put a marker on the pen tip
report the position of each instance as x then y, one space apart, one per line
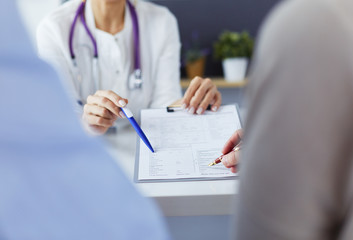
211 164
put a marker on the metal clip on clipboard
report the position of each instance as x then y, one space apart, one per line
176 107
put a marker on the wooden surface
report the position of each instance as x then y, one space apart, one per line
219 82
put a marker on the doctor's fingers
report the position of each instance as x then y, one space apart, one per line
99 129
112 96
190 92
94 120
204 95
103 102
213 96
99 111
216 102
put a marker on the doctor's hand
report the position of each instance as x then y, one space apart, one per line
201 93
102 110
231 158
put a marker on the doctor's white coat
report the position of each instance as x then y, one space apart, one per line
160 60
160 54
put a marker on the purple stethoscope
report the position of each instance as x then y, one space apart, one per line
135 81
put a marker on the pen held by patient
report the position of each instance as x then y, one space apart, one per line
220 158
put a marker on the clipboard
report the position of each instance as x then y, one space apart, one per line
156 174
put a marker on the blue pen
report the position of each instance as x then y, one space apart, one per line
137 128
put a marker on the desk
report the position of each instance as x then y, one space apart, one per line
192 198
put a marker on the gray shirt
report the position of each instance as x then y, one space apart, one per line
296 172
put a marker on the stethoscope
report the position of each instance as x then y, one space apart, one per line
135 80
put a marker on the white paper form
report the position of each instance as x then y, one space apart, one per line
185 144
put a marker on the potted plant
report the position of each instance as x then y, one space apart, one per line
235 50
194 57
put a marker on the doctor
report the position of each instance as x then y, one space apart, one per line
115 52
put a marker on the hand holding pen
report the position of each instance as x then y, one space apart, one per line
102 110
231 151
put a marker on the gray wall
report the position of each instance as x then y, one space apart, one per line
210 17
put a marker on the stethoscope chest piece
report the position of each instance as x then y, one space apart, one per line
135 80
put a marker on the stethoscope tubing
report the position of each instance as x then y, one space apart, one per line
80 13
136 35
137 83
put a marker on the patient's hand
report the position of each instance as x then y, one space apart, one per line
231 158
201 93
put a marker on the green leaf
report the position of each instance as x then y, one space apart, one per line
233 44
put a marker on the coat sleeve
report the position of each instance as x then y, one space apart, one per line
167 83
296 167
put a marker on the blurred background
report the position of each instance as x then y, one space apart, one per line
200 24
210 17
200 19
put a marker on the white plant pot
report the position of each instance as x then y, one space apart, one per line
234 69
